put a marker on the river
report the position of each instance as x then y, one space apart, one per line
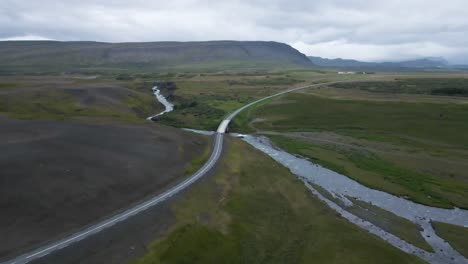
341 187
167 105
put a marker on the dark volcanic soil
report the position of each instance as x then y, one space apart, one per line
56 177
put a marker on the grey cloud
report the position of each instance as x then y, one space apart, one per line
371 30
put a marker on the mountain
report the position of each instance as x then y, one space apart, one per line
420 63
36 55
344 63
319 61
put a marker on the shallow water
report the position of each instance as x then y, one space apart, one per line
168 106
203 132
340 186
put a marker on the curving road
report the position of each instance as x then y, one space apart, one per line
96 228
222 128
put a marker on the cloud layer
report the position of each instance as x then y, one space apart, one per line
358 29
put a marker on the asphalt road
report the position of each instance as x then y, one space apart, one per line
96 228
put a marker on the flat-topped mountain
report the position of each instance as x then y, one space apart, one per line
210 54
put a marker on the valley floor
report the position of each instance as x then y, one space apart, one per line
70 142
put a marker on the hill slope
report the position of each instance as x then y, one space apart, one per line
39 55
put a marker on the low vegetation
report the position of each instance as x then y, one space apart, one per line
434 86
387 221
373 171
99 57
455 235
82 99
203 104
390 222
7 85
417 130
254 211
388 121
198 162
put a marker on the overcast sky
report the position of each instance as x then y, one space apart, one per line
358 29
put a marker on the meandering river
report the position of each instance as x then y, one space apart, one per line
167 105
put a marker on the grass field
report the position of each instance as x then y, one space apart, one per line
455 235
252 210
198 162
201 102
408 147
203 99
434 86
390 121
389 222
378 173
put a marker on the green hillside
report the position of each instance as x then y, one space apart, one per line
54 56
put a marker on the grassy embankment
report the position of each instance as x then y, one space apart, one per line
430 132
253 210
455 235
198 162
57 98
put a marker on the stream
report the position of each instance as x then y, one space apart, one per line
168 106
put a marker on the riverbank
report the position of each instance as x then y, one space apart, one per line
342 187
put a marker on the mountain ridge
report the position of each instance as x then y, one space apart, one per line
167 54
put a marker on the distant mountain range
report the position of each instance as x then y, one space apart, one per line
418 63
219 55
57 56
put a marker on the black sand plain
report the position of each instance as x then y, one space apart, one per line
58 176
